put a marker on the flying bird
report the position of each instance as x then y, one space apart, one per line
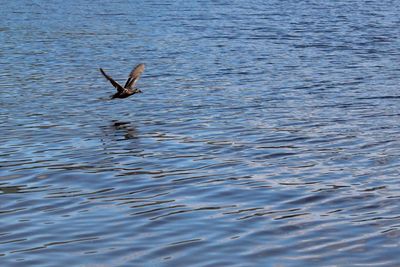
129 88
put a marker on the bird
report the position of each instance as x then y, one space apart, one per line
129 88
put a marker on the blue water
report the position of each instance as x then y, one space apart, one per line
267 134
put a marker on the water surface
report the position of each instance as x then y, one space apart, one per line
267 134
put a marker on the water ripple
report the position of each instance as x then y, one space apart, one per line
267 134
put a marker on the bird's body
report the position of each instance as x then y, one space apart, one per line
129 88
125 93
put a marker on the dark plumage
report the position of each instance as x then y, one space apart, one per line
129 87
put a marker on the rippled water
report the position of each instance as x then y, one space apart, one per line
267 134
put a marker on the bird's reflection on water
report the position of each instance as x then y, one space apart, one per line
115 129
126 129
119 138
11 189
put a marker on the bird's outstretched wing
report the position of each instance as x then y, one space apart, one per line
112 81
134 76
